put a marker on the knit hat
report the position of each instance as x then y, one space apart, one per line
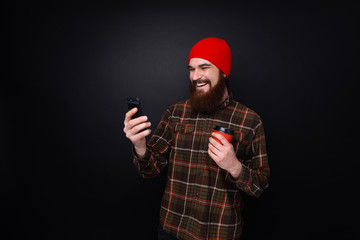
214 50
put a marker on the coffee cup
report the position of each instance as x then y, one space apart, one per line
227 133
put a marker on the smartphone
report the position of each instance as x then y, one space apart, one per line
135 102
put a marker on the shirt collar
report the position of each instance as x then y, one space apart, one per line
227 101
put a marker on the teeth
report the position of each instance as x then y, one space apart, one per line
201 84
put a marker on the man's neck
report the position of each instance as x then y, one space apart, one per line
225 96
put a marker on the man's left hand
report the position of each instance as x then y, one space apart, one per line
224 155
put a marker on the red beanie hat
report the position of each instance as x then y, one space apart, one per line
216 51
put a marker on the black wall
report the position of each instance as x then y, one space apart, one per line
66 166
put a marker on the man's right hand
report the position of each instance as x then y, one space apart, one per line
133 128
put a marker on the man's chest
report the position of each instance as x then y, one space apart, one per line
191 132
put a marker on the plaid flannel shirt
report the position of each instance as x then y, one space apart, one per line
201 200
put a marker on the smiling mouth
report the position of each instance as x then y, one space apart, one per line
200 85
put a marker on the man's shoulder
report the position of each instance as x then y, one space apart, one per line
176 107
179 104
241 109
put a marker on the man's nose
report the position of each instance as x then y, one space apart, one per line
197 75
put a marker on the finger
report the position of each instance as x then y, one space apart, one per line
139 127
214 150
136 121
213 156
130 114
221 138
215 143
140 135
212 143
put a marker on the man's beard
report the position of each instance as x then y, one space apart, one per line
210 101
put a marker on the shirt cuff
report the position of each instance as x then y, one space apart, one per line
243 180
144 159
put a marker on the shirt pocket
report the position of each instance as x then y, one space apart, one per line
184 135
184 128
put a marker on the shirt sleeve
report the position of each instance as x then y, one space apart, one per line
254 176
157 149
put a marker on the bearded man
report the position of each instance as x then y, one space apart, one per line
206 179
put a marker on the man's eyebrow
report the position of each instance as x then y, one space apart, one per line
201 65
205 65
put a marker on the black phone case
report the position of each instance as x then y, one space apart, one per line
135 102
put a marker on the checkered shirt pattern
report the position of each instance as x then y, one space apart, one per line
201 200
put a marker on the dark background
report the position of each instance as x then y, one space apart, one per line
66 166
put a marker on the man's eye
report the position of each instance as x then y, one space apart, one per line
191 69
